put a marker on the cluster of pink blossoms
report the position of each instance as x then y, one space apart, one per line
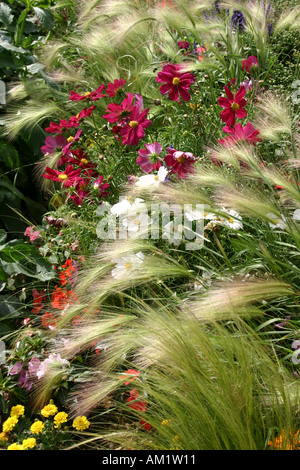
180 163
234 108
79 173
130 119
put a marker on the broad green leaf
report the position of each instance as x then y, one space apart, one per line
6 16
45 18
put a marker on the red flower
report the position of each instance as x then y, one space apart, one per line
48 320
249 63
66 177
119 112
240 134
80 159
86 112
233 106
93 96
180 162
113 88
131 372
145 425
61 298
134 130
137 405
65 275
38 298
101 187
175 82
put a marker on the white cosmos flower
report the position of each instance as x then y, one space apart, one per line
196 214
127 264
277 222
125 206
152 180
296 215
234 221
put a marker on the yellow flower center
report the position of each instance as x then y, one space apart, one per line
276 221
87 93
181 158
69 139
128 265
176 81
84 161
235 106
230 220
133 124
63 177
156 177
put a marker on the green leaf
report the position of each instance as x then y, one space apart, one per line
5 14
9 155
10 307
9 47
3 235
45 18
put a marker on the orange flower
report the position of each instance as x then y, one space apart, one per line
284 443
61 298
48 320
130 372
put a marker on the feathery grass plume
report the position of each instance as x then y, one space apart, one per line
213 385
28 116
234 299
273 117
289 19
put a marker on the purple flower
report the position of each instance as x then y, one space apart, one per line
16 368
52 144
33 365
238 21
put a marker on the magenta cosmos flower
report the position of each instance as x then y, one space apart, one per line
113 88
240 134
233 106
134 131
67 177
249 63
175 82
52 144
180 162
116 112
149 158
93 95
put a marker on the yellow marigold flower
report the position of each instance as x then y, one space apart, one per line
166 422
15 446
60 418
80 423
49 410
17 411
29 443
3 437
37 427
9 424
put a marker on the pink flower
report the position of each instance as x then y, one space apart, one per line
134 130
149 159
81 191
66 177
233 106
66 149
249 63
32 234
115 87
52 144
180 162
183 44
93 96
175 82
101 187
116 112
240 134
